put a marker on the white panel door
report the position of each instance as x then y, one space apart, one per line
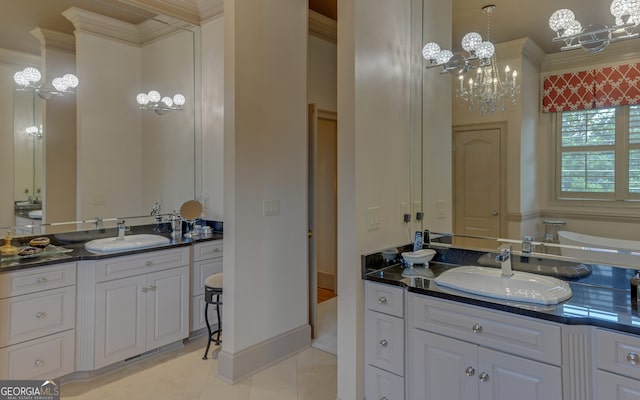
121 315
167 306
506 377
441 368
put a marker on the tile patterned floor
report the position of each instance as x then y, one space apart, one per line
182 374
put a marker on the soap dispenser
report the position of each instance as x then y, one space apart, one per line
7 249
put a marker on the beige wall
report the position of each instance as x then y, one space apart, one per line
322 67
374 147
265 264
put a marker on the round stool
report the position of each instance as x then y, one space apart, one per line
212 293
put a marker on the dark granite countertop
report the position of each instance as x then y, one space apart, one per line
600 298
69 246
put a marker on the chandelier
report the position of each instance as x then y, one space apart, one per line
28 80
596 37
153 101
489 89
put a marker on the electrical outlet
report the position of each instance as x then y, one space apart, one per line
406 218
441 209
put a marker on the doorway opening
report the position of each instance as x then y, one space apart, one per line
323 234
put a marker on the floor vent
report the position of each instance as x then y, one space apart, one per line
139 356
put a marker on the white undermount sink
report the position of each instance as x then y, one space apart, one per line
521 286
130 242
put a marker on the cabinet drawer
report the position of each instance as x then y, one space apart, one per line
45 358
383 298
384 344
517 335
37 279
201 271
615 387
122 267
205 250
37 314
381 384
618 353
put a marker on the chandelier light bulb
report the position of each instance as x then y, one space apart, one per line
142 99
444 56
485 50
471 41
71 80
430 51
560 20
179 99
20 79
573 28
59 84
32 74
153 96
167 101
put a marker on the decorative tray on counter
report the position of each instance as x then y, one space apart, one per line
48 251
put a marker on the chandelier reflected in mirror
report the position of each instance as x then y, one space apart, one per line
489 90
596 37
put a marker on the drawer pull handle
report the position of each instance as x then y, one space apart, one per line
216 250
148 263
41 314
484 377
384 343
382 300
477 328
633 358
470 371
41 280
152 287
39 363
145 290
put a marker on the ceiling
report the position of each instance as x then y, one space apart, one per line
515 19
512 19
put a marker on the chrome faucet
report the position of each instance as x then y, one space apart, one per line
122 228
157 218
98 222
504 258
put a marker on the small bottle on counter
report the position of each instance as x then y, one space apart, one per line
635 287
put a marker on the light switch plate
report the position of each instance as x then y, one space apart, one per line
270 207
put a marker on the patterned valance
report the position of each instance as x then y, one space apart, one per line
595 88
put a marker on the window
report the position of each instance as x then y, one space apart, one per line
599 155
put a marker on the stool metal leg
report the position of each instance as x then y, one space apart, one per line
219 330
206 319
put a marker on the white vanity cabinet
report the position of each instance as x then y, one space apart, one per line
457 351
131 304
37 306
384 341
206 261
618 365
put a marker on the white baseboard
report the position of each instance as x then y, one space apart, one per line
235 367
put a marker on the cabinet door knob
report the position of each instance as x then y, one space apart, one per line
383 398
382 300
470 371
39 363
484 377
41 280
148 263
41 314
633 358
152 287
477 328
145 290
384 343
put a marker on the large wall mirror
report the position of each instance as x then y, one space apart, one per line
93 153
527 198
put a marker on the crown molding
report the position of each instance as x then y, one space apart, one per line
210 9
184 10
617 53
55 39
87 21
323 27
